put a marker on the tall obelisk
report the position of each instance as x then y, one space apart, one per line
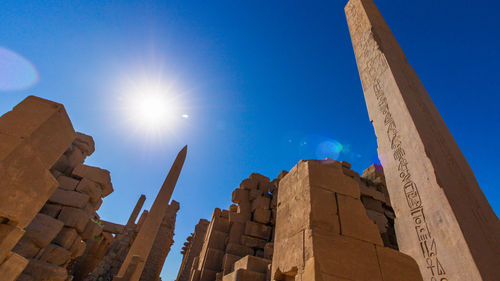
444 221
133 265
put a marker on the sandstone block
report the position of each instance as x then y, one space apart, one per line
54 254
228 262
75 157
69 198
46 271
77 248
268 250
52 210
253 242
25 277
346 257
331 177
67 183
12 267
74 217
262 202
249 184
66 237
92 229
85 143
44 124
218 240
354 222
43 229
397 266
213 259
257 230
252 263
26 248
90 188
240 195
324 215
244 275
9 236
112 227
22 170
95 174
236 231
262 215
238 250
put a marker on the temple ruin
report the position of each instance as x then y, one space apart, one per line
421 215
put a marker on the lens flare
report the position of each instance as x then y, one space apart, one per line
329 148
16 72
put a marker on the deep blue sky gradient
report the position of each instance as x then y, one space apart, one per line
265 84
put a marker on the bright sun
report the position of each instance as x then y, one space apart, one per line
153 107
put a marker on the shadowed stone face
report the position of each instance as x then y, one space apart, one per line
433 190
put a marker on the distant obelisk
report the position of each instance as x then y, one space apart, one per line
443 220
133 265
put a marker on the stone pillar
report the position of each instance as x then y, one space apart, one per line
192 249
32 137
137 209
323 232
443 219
145 238
161 246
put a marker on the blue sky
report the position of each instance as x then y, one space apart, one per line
264 84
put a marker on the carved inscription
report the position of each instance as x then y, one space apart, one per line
372 65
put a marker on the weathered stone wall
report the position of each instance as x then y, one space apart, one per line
58 234
192 249
32 137
239 242
323 231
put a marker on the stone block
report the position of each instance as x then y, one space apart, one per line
252 263
95 174
268 250
218 240
257 230
85 143
323 205
372 204
262 202
228 262
354 222
25 277
46 271
244 275
44 124
12 267
92 229
237 229
240 195
331 177
74 217
26 248
346 257
396 266
66 237
112 227
91 188
30 182
238 250
67 183
54 254
69 198
249 184
253 242
52 210
379 219
262 215
9 236
43 229
77 248
213 259
75 157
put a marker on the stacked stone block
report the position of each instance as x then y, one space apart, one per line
32 137
58 235
192 249
323 231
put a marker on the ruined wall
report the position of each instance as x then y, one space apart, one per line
59 233
192 249
239 242
32 137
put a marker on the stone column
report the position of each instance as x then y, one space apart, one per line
137 209
161 246
443 219
32 137
145 238
192 249
324 233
